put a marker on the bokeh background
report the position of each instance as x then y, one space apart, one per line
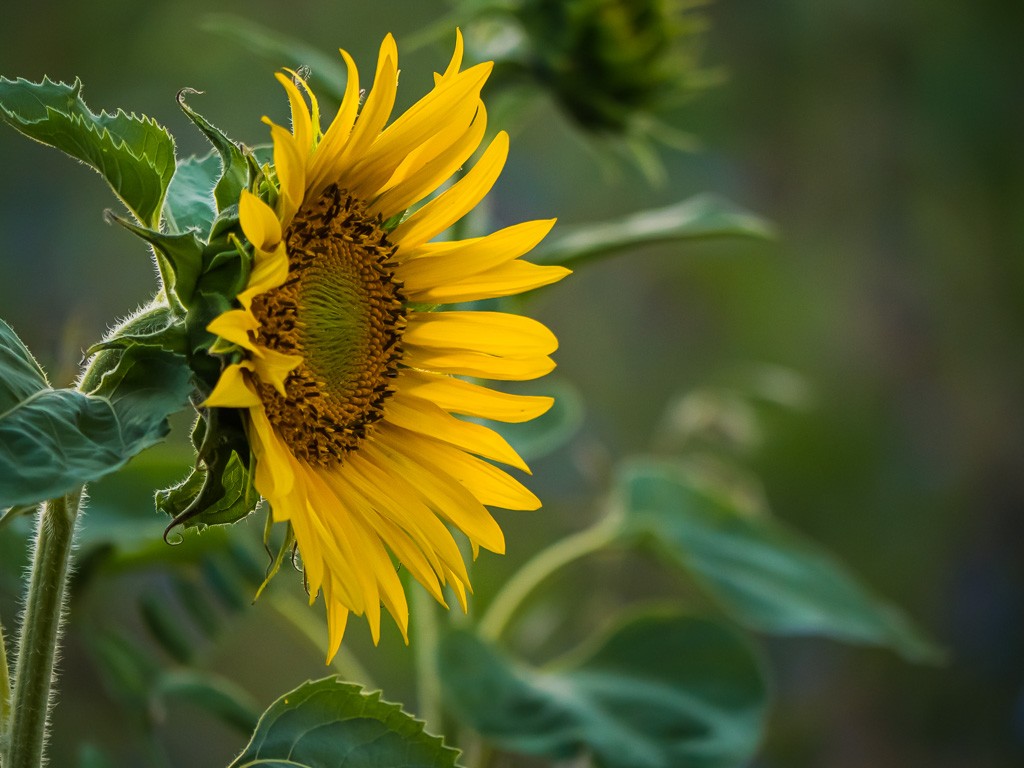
885 142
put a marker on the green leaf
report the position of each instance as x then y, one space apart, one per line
696 218
328 723
766 576
190 204
55 440
661 691
235 174
20 374
219 490
159 327
133 154
221 496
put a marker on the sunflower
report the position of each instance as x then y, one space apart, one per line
348 374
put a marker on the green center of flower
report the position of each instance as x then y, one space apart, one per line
342 311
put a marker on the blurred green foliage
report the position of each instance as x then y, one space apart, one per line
883 140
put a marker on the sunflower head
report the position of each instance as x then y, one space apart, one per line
342 357
609 62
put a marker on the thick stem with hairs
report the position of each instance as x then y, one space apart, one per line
40 631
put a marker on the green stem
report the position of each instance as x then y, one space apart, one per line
5 694
428 678
546 562
40 630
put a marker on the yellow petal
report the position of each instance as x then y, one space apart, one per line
398 540
273 367
337 618
302 125
338 542
337 133
477 364
314 106
259 222
490 485
270 270
460 592
456 62
424 170
372 117
275 475
359 563
374 561
235 325
450 206
374 166
506 280
427 419
460 396
493 333
308 541
290 164
395 499
435 263
446 496
233 390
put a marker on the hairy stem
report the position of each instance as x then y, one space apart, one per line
40 631
5 694
545 563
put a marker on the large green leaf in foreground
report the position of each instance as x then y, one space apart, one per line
662 691
133 154
766 576
331 724
54 440
20 374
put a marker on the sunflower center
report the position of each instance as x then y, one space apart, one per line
341 310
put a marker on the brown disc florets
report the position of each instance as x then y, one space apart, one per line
342 311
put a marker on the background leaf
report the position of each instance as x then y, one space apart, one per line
329 723
763 574
661 691
133 154
214 694
696 218
326 73
91 757
58 439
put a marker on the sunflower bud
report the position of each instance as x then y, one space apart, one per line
611 62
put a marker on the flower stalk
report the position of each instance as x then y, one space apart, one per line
543 565
40 631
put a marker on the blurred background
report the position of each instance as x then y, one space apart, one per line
883 139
